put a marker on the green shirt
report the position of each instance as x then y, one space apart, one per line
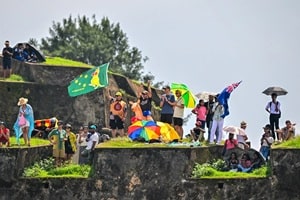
59 138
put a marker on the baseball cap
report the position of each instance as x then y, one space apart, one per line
166 87
118 94
60 122
93 127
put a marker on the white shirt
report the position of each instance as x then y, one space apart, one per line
218 110
179 112
270 140
93 138
240 139
271 106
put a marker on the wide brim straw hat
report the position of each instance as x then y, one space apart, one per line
22 101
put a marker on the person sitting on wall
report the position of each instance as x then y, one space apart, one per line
287 132
29 55
245 163
4 135
232 162
230 143
256 161
197 132
19 53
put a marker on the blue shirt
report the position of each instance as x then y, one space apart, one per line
167 108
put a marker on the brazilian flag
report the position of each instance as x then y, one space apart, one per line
89 81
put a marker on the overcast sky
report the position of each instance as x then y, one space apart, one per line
205 44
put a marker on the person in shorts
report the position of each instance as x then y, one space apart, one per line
118 112
7 53
178 113
166 104
57 138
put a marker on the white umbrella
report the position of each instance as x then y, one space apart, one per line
234 130
204 95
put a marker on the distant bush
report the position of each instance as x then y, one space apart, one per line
46 168
39 168
201 170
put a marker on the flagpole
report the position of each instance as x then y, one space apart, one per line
106 113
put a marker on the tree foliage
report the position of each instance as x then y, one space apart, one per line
95 43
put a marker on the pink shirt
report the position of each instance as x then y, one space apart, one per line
201 112
231 144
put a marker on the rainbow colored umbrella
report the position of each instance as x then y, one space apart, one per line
187 95
148 130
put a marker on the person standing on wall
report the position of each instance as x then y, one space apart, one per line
217 124
178 113
145 101
273 108
167 110
24 124
92 142
7 53
210 114
118 113
57 138
70 143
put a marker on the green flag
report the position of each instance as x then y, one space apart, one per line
89 81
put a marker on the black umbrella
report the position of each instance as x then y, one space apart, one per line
277 90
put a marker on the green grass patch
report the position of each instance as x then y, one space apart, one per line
293 143
214 170
57 61
258 173
46 169
33 142
125 142
15 78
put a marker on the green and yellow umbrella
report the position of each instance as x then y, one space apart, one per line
187 95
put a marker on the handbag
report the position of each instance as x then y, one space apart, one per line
22 120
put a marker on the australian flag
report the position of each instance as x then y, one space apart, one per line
224 96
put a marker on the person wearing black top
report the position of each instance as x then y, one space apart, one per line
145 101
210 114
7 53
